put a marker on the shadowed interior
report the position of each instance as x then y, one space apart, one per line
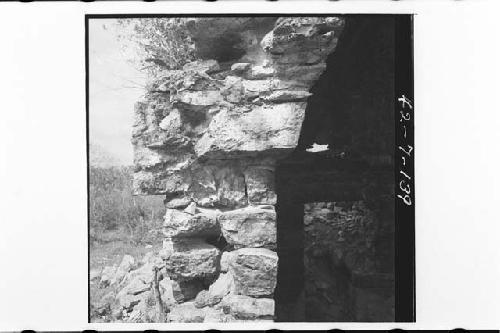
350 278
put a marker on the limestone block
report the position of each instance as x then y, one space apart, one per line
260 186
191 259
145 311
186 313
218 184
281 96
254 271
126 265
233 90
302 40
172 123
178 224
240 66
191 208
189 313
178 202
206 66
135 287
199 98
248 308
220 288
249 227
132 293
217 316
203 299
272 129
260 72
225 259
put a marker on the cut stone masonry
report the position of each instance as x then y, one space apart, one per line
208 137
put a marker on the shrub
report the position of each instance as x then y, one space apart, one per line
162 43
114 208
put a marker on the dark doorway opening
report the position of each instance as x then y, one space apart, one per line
335 208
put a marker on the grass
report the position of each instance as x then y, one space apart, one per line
111 253
120 224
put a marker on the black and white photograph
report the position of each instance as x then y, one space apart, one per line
243 168
249 165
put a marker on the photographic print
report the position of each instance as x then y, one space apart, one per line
250 168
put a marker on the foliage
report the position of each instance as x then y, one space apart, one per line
162 43
114 210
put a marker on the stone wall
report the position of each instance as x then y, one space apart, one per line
208 137
344 258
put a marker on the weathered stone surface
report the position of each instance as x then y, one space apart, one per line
218 185
260 72
191 259
127 301
135 287
249 227
179 291
287 96
199 98
203 299
144 273
206 66
189 313
218 317
302 41
186 313
180 224
255 271
168 292
107 276
260 185
172 122
178 203
249 308
145 311
240 66
225 259
274 128
126 265
220 288
204 113
191 209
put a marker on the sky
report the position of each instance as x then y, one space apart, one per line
114 87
